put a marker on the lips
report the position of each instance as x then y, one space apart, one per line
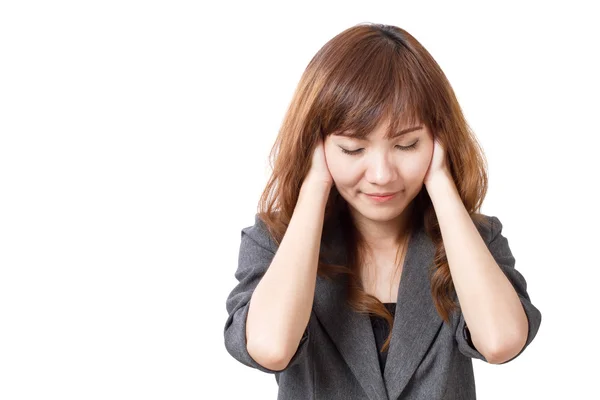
381 194
381 199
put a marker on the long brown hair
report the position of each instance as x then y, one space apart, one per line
367 74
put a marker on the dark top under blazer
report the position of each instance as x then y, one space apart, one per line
381 330
337 356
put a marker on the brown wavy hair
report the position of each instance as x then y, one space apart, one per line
365 75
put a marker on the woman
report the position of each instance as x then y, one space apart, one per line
369 272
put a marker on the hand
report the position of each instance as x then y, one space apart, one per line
319 171
438 166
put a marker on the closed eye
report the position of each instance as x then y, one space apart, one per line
358 151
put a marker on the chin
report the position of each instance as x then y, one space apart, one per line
381 215
378 213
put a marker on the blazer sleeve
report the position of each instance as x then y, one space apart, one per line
499 248
257 250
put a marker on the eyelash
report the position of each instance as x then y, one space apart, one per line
403 148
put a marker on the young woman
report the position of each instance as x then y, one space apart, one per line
369 272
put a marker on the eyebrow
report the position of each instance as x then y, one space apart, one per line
389 136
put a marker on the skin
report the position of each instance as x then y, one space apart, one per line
382 166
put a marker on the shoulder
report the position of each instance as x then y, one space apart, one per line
489 226
259 233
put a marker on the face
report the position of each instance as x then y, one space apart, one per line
379 165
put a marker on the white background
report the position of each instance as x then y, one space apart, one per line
134 143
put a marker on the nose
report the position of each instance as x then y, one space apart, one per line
381 170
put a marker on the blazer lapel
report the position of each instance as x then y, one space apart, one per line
352 334
416 321
350 331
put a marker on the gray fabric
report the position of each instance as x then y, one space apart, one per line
337 356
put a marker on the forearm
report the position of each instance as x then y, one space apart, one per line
490 305
281 304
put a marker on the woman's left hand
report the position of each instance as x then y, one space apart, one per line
438 166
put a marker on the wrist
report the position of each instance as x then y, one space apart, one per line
315 188
440 187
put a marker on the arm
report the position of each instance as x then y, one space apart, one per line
281 304
492 308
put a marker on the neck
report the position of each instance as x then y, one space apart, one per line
383 235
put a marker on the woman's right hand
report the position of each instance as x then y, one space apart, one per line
319 171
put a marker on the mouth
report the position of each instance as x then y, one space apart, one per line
380 194
381 197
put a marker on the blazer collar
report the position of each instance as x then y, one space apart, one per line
416 321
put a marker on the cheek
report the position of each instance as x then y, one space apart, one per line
416 168
419 164
342 170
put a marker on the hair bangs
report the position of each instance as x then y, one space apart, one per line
379 88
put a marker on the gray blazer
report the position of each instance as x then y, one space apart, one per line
337 355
